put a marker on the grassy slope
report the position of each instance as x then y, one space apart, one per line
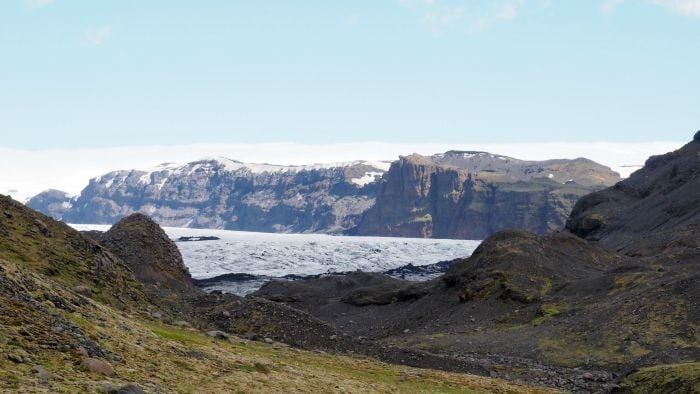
672 378
43 322
167 358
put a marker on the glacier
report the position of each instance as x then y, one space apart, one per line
274 255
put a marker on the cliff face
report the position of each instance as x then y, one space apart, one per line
222 193
467 195
472 195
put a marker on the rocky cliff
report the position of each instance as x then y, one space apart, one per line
471 195
223 193
452 195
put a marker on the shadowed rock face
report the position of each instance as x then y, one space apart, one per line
471 195
152 256
662 196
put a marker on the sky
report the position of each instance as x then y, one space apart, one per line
77 75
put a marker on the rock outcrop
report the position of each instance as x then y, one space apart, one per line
662 196
226 194
471 195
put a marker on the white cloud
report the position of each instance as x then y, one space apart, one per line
438 19
97 35
38 3
29 172
471 16
685 7
689 8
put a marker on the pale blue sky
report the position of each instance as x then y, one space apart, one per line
104 73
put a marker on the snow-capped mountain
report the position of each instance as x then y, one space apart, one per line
223 193
456 194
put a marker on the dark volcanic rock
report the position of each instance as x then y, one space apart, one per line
471 195
152 256
664 195
525 267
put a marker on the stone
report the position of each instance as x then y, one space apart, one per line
226 314
83 290
82 351
15 358
217 334
182 324
42 373
269 340
97 366
251 336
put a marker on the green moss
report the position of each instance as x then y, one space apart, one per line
672 378
178 335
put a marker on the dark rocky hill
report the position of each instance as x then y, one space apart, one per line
629 301
472 195
662 196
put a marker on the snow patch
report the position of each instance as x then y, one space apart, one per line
368 178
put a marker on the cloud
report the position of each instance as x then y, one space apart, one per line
38 3
28 172
351 20
97 35
690 8
440 16
685 7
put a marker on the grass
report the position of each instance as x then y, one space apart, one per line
678 378
165 358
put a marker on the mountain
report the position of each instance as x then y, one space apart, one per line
616 295
223 193
55 203
452 195
471 195
117 313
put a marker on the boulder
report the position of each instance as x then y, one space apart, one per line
97 366
217 334
83 290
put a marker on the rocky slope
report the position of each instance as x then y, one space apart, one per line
662 196
223 193
628 302
74 318
471 195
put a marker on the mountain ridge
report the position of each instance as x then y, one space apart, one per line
326 198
